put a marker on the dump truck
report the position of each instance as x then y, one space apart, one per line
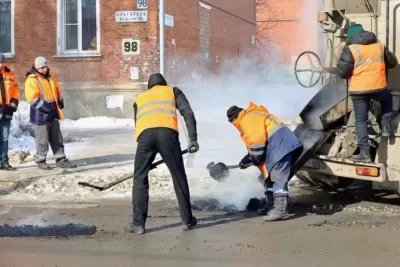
326 125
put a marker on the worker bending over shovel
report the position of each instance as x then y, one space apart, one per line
272 147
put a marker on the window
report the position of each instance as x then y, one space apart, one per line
78 27
7 27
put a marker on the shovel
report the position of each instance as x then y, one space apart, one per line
102 188
220 170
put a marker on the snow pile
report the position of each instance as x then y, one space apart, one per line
237 190
99 122
20 137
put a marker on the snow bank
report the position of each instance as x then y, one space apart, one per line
20 138
241 186
96 123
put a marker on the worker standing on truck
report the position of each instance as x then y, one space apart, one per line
43 93
272 147
157 132
364 62
9 100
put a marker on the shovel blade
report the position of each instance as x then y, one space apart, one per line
218 171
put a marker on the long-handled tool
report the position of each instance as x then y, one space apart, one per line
101 188
220 170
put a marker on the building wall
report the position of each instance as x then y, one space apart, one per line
287 28
211 33
204 36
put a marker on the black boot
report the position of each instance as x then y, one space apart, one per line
269 203
362 157
280 209
130 228
5 166
189 226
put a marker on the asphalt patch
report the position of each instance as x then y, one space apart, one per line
70 229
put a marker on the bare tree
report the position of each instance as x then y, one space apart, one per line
266 19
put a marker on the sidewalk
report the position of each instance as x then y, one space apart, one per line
94 151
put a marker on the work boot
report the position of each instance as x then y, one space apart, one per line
43 166
7 167
280 209
387 130
362 157
269 204
65 164
188 227
130 228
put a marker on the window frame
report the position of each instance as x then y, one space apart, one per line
11 54
61 52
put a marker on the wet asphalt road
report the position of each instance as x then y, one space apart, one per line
325 230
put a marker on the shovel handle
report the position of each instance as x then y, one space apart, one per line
233 166
101 188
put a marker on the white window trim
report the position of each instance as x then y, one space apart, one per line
12 53
60 34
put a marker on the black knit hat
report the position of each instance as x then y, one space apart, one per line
233 112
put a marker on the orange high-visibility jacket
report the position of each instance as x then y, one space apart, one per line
369 67
38 87
11 87
256 126
156 108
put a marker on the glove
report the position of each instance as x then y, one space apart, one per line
193 147
246 162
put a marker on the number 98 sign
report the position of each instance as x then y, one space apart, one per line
142 4
130 47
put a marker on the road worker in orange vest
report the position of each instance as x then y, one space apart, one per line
364 62
273 148
9 100
43 93
155 113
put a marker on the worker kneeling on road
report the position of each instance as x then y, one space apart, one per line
272 147
157 132
44 95
365 61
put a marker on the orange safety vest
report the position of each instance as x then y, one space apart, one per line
369 71
256 126
37 86
156 108
11 87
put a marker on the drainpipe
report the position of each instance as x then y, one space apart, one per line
387 22
161 18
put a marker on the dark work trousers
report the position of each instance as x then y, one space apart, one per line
361 105
166 142
49 133
4 135
280 174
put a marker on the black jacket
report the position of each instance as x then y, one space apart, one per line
182 104
346 62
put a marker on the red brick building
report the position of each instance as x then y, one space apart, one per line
83 41
287 28
98 47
